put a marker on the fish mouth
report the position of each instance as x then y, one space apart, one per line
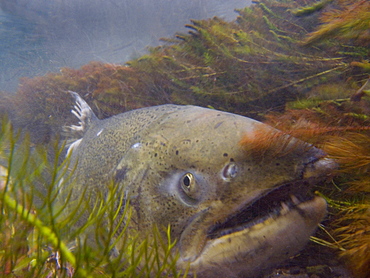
272 204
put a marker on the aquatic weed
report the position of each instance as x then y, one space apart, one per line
47 233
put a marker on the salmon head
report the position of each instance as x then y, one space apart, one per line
234 191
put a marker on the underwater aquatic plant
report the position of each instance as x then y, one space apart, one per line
252 65
341 127
345 20
37 238
353 233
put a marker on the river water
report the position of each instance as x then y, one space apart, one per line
38 36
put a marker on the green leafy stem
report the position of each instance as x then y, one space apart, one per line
45 231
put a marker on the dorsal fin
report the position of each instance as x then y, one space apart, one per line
86 117
83 112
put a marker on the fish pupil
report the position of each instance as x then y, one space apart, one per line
186 180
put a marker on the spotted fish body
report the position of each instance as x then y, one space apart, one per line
235 207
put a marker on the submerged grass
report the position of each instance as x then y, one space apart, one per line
45 233
339 125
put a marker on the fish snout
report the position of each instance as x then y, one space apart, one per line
320 167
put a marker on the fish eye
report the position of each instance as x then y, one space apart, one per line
189 189
187 181
230 171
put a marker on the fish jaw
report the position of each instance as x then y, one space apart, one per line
268 228
264 231
253 250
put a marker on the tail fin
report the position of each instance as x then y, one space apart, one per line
86 117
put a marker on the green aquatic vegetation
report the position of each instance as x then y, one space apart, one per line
307 10
340 125
47 233
322 94
243 67
266 9
304 103
349 21
365 65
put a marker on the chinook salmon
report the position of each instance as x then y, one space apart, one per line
234 191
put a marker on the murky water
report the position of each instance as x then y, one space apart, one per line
38 36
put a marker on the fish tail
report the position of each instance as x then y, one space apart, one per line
85 115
